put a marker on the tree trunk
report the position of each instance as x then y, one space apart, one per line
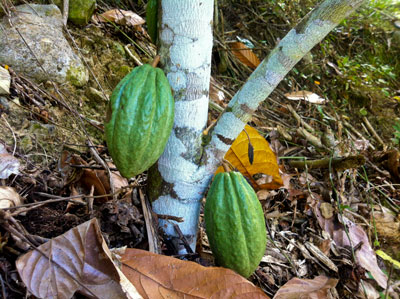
179 181
176 186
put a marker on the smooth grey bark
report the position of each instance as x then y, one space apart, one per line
183 173
176 186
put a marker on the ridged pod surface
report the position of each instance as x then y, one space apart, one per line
235 223
139 119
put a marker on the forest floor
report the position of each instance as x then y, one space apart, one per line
333 124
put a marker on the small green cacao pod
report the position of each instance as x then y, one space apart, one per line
235 223
139 119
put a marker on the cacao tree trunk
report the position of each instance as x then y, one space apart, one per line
179 180
176 185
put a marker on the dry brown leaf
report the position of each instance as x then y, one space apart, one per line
74 201
78 260
157 276
86 178
367 290
118 180
91 178
9 197
264 194
245 55
316 288
264 171
393 164
121 17
361 145
306 96
335 67
325 246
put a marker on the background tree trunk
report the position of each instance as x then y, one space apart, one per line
179 181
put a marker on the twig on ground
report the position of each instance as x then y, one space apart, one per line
301 122
373 132
3 287
135 59
357 133
314 140
170 217
99 160
55 199
96 167
339 163
151 230
182 238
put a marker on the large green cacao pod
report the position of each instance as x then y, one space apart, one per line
235 223
139 120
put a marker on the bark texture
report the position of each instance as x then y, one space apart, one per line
185 50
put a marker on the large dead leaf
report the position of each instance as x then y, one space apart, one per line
157 276
122 17
366 257
264 171
77 261
316 288
245 55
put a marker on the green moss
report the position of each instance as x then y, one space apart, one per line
117 47
154 183
205 140
26 144
396 38
123 70
77 75
80 11
52 12
118 71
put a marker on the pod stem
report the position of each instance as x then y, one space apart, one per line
228 167
155 61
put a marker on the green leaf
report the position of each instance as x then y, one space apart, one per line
363 111
344 207
152 19
386 257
